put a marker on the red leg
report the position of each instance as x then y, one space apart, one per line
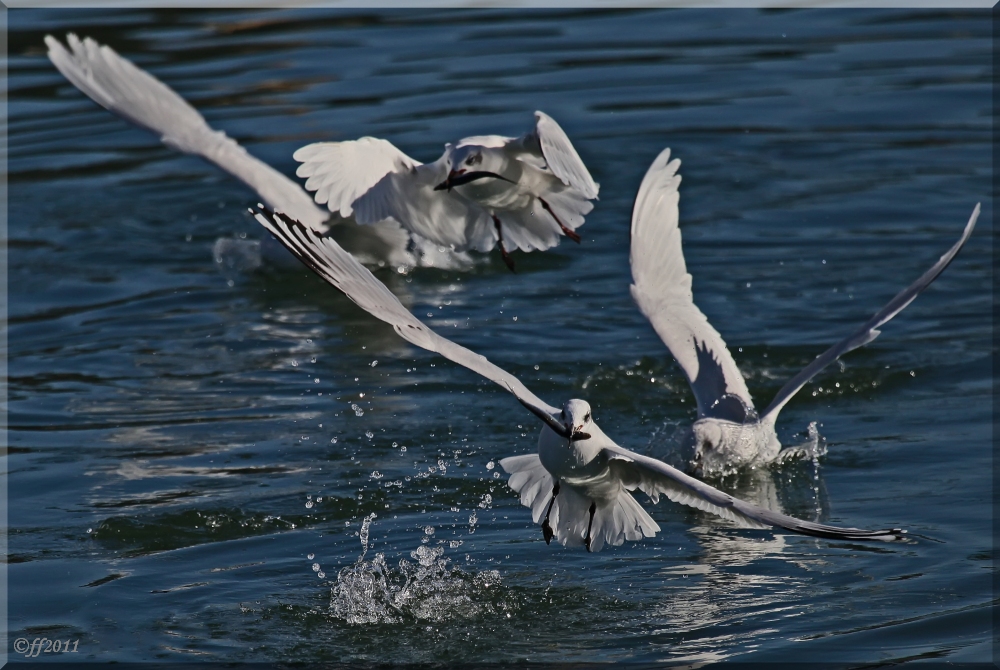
571 234
508 261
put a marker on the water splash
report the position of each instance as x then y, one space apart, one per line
431 589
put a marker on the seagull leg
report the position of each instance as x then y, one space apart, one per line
571 234
508 261
586 538
546 528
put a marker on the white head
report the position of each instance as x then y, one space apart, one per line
578 420
475 158
470 163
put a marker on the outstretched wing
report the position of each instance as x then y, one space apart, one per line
327 259
869 331
655 477
562 158
140 98
341 172
662 290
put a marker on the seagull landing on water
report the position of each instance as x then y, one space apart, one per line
521 193
578 484
729 434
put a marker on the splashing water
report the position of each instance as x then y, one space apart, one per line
372 592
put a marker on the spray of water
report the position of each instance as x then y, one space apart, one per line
427 589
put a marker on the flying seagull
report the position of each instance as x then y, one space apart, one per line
578 484
521 193
728 434
130 92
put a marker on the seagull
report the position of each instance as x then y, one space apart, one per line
518 193
579 483
729 434
130 92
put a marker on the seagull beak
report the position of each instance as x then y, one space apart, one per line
577 434
446 184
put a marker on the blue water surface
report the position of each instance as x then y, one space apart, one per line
194 450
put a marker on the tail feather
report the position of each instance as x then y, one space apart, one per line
615 520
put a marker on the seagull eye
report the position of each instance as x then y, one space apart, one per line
475 159
586 417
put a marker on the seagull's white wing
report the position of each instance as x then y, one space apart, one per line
655 477
662 290
869 331
562 158
140 98
341 172
441 216
327 259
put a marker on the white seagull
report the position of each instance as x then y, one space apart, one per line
728 434
130 92
578 484
523 193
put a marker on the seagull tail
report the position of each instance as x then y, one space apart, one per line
615 521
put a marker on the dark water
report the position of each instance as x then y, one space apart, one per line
173 426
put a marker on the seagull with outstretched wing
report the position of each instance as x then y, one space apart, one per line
521 193
578 484
729 433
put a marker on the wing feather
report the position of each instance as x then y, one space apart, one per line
327 259
119 86
655 477
562 158
341 172
869 331
662 290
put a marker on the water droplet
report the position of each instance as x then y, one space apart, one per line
316 380
376 474
913 373
515 318
333 440
490 465
429 530
315 567
361 395
309 504
374 363
310 556
322 574
404 449
295 363
369 434
319 499
394 445
496 475
536 367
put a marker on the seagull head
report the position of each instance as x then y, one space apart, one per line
578 420
470 163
